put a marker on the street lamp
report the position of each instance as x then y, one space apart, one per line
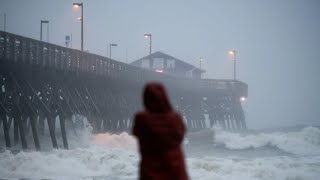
110 45
77 5
200 61
233 54
4 21
44 22
150 41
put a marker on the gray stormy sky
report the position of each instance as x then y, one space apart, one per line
277 43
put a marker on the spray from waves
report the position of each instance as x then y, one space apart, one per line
101 156
109 156
303 142
121 141
70 164
79 135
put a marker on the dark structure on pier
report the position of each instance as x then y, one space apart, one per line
164 63
41 83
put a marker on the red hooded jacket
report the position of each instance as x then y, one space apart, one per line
160 132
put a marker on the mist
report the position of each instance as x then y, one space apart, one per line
277 43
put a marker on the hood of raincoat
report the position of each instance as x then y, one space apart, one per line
155 98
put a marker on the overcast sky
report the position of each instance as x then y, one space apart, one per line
277 43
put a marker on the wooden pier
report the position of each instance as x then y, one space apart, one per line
42 82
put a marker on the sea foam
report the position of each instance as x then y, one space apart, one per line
115 156
303 142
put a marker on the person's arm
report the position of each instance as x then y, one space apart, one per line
136 128
180 127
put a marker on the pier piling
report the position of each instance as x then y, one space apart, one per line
6 130
52 126
32 120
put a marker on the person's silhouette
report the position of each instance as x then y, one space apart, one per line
160 132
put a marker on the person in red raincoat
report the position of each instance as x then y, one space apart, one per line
160 131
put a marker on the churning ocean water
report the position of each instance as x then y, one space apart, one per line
285 155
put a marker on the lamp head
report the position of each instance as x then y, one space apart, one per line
232 52
77 5
147 35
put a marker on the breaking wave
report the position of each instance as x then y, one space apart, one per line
114 156
303 142
107 157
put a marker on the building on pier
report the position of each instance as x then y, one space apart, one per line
164 63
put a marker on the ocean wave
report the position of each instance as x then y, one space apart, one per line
282 167
303 142
99 162
121 141
77 163
115 156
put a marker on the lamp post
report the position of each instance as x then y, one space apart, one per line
150 42
77 5
200 62
233 54
4 22
110 45
44 22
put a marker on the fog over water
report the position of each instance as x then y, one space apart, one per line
277 43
